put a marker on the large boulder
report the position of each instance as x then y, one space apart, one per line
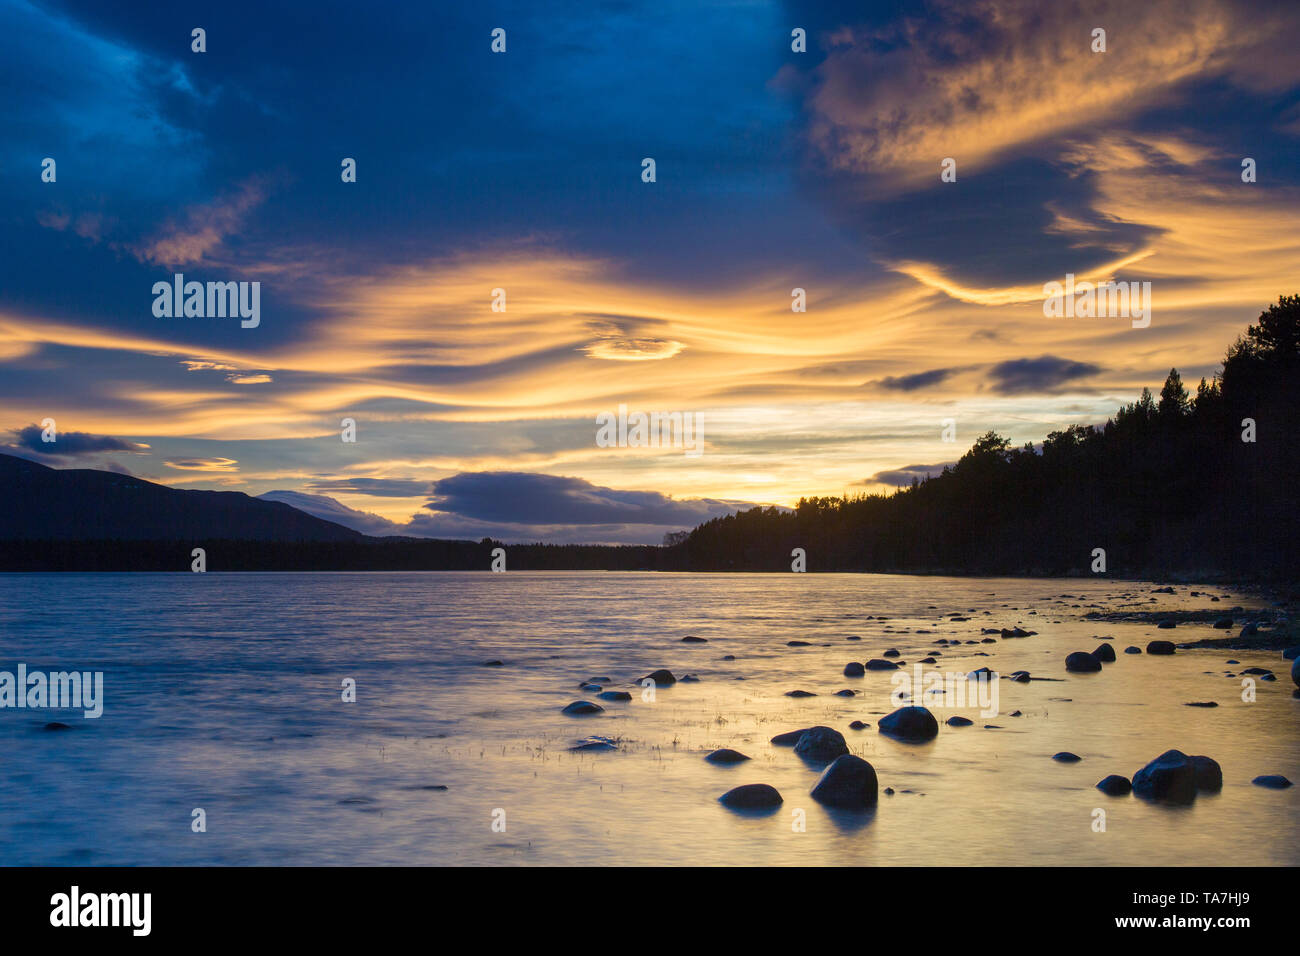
849 782
876 664
1295 671
752 796
1104 653
910 723
661 678
821 743
1209 775
1170 777
1160 647
854 669
1081 662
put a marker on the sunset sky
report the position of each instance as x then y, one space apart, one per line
523 171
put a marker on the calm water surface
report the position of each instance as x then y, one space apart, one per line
223 691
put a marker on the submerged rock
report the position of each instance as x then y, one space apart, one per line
1170 777
661 678
580 707
1274 781
955 721
821 743
493 664
752 796
725 755
1066 757
858 725
910 723
788 739
615 695
1115 785
1081 662
692 639
799 693
1132 650
1160 647
876 664
849 782
597 744
846 693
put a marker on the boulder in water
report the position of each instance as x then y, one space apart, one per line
1170 777
849 782
1104 653
1274 781
1081 662
1066 757
752 796
910 723
1160 647
821 743
661 678
581 707
956 721
876 664
1115 785
726 756
854 669
615 695
1132 650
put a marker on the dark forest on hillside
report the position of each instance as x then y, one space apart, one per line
1171 484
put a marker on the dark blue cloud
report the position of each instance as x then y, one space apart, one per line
524 498
1047 373
910 383
71 444
905 475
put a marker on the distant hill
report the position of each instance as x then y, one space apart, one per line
51 504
